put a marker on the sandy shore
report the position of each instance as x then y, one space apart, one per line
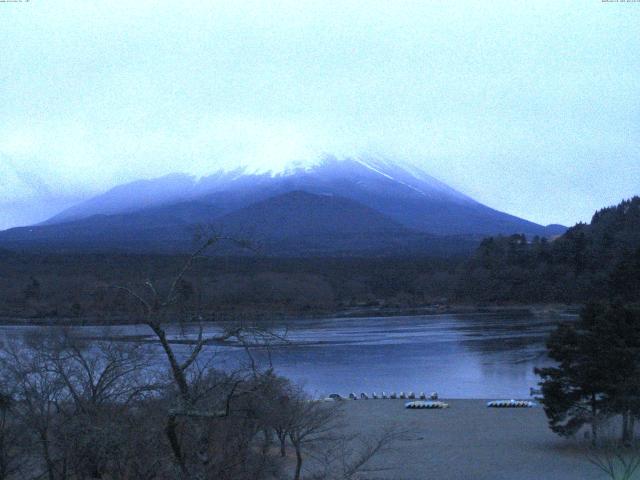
468 441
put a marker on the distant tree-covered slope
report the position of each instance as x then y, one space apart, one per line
597 261
590 261
294 224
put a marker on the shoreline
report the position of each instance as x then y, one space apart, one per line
351 313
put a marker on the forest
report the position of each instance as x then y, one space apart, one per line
592 261
589 262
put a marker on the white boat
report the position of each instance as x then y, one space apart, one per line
426 404
511 404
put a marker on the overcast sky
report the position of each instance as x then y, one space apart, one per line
529 107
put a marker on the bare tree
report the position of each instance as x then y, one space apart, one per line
278 411
95 408
72 396
156 308
309 422
163 309
92 412
102 380
39 394
12 455
315 431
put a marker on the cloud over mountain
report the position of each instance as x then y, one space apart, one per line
346 206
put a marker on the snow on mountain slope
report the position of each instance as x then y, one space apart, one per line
368 173
402 193
131 197
362 206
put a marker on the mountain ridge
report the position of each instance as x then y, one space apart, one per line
177 187
335 206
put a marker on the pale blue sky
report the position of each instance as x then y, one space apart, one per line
530 107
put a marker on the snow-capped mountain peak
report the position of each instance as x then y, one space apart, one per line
351 177
331 204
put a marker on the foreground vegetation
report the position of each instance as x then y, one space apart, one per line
597 372
72 409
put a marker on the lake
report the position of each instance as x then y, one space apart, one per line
479 355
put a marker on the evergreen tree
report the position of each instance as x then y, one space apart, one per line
624 281
573 392
618 329
598 371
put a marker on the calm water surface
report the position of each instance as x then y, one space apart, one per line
459 356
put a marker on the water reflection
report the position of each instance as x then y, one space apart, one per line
460 356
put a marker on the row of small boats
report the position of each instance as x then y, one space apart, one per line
386 396
511 404
491 404
430 401
426 404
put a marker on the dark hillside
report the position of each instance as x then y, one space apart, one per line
56 286
590 261
293 224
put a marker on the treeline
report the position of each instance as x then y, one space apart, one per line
589 262
595 261
77 286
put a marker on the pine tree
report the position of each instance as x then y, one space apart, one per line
597 373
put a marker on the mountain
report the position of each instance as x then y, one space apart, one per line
291 224
25 196
131 197
347 206
304 223
287 215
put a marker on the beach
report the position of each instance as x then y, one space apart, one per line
468 441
